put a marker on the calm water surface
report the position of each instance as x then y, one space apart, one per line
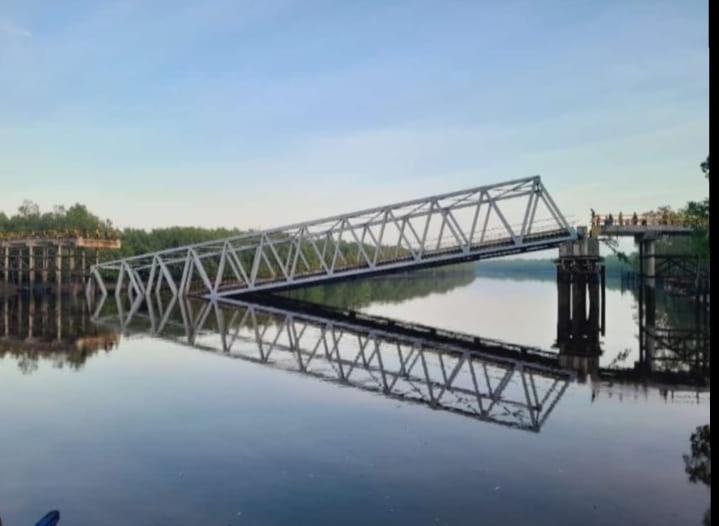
151 431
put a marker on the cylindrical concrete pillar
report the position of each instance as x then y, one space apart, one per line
31 267
58 266
6 267
71 263
649 261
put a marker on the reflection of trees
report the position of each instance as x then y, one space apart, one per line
390 289
29 357
698 465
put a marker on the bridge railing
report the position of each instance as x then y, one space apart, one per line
672 218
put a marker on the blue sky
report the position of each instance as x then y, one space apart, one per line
258 113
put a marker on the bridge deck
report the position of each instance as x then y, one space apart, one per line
645 231
63 242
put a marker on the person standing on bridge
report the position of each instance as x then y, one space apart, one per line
635 219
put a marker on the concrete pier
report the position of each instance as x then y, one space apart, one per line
580 305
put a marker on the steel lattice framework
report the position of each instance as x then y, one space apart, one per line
445 376
482 222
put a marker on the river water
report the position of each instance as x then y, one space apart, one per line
110 425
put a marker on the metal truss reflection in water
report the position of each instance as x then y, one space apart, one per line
371 354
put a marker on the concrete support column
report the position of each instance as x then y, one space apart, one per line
649 262
71 265
6 267
58 266
31 267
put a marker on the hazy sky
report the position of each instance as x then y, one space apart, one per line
258 113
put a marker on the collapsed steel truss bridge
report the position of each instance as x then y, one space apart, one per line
516 389
483 222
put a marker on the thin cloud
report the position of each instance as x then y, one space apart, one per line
13 30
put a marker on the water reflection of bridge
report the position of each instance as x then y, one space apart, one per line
485 379
475 377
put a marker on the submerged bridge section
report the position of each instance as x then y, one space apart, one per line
483 222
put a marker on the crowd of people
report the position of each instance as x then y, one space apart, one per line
665 218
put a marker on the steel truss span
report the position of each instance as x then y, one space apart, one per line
441 375
482 222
